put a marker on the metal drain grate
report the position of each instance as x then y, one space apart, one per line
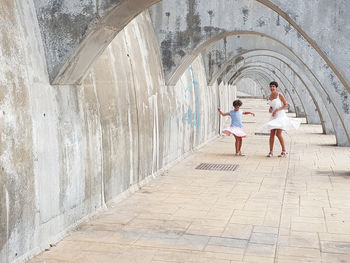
262 133
217 167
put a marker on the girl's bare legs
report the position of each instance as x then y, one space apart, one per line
237 144
280 138
272 139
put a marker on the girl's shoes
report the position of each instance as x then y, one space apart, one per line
283 154
270 154
240 154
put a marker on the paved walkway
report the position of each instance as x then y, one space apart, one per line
294 209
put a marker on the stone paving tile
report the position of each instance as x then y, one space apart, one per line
335 258
335 247
204 230
234 252
239 231
264 238
49 260
299 252
334 237
281 210
293 259
260 250
299 239
258 259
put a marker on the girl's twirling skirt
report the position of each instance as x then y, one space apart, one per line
233 130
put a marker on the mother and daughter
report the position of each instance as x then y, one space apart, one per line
278 121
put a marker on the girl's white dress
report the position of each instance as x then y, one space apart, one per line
236 124
232 130
281 120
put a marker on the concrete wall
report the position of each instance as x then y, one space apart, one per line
185 28
227 94
66 150
247 86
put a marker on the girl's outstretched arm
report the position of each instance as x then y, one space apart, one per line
248 112
223 114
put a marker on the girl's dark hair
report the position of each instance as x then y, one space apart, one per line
237 103
274 83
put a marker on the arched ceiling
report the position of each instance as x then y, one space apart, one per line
313 34
227 58
75 32
284 85
263 78
331 122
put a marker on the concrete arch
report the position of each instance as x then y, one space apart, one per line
318 94
180 40
95 34
218 29
285 87
76 32
267 76
260 83
306 9
102 21
294 84
310 110
263 79
336 131
266 79
271 48
331 97
290 90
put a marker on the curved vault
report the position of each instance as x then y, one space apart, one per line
314 92
285 86
99 21
262 79
320 100
181 54
259 67
272 49
293 83
183 37
332 108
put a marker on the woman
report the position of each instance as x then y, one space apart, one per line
279 120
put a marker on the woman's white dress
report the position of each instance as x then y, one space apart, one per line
280 120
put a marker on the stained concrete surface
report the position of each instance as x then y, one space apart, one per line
293 209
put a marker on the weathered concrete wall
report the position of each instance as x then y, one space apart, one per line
185 28
250 87
66 150
75 32
227 94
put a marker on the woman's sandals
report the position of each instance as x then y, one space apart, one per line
239 154
283 154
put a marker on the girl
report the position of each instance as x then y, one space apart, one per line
236 124
279 120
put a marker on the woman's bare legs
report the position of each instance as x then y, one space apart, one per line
280 138
272 139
